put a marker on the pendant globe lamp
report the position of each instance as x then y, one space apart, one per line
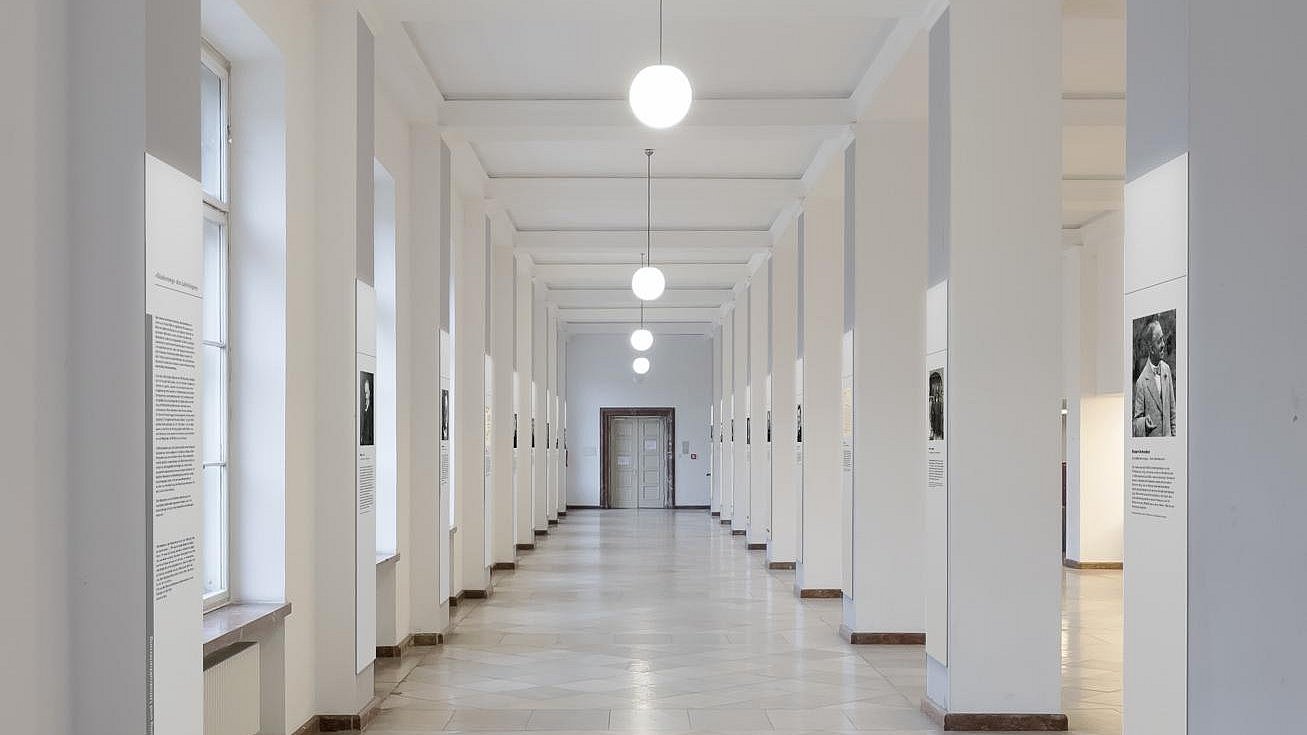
648 282
642 339
660 94
640 365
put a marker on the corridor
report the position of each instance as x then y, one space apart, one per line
658 621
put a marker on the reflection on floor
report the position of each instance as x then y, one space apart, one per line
660 621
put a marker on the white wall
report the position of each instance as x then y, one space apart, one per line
599 376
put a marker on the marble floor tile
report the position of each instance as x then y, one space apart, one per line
661 622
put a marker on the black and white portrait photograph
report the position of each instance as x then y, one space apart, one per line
444 415
936 404
366 412
1154 376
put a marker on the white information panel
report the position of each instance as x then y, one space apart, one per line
365 516
1156 333
488 441
798 456
937 473
174 272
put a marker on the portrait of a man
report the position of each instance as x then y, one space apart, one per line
365 409
1153 413
936 405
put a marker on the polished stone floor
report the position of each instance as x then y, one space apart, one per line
660 621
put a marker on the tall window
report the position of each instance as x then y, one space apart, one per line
214 168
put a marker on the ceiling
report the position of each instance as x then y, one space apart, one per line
533 93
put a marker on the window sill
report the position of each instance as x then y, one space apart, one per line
387 558
240 621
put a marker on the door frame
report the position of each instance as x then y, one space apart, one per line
606 416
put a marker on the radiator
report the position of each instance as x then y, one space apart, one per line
231 692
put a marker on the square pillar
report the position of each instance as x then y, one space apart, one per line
539 382
885 602
993 514
740 385
472 458
502 301
523 466
782 542
726 445
760 454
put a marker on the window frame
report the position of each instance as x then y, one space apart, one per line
217 210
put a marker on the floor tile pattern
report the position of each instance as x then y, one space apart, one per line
662 622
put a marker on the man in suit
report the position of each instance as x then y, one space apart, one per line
1154 404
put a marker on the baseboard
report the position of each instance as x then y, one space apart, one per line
477 594
503 566
395 651
821 594
347 723
453 601
881 639
756 546
542 531
994 721
1073 564
526 547
716 514
737 531
690 507
310 727
780 565
583 507
553 521
726 521
428 639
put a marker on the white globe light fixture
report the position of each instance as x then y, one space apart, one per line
660 96
642 339
648 283
640 365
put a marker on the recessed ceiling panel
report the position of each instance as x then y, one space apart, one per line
582 49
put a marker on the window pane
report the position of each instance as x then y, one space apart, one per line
215 529
215 404
211 132
215 282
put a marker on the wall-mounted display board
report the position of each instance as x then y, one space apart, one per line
798 453
174 272
936 407
365 477
1156 452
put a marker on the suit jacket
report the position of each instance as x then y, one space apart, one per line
1154 401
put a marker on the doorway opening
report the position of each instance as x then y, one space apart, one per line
638 464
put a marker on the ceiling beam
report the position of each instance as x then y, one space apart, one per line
698 329
631 315
672 245
462 11
596 298
1096 111
622 191
603 275
1102 194
472 116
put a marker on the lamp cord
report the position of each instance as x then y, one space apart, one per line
648 178
660 32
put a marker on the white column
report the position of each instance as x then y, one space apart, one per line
502 313
727 445
715 430
886 600
819 571
783 542
996 127
760 450
470 473
430 614
525 472
551 414
343 253
539 381
740 380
